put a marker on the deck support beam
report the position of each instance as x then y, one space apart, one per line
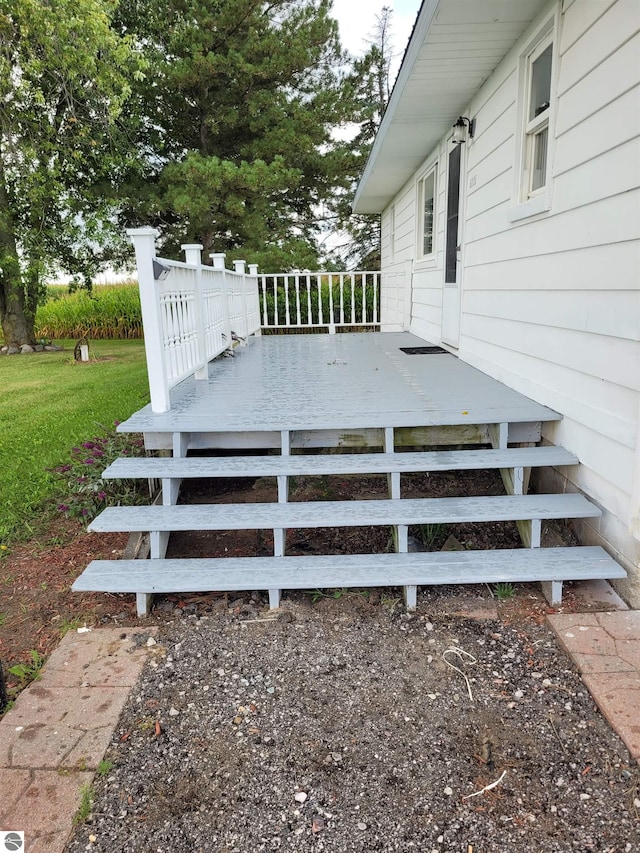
400 532
280 534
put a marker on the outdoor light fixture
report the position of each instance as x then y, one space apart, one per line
460 129
160 271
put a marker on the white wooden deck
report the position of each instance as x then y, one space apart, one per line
344 381
319 391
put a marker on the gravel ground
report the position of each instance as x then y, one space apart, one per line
343 725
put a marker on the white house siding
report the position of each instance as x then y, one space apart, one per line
395 297
551 303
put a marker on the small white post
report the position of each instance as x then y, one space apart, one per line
240 268
218 264
144 244
193 256
255 299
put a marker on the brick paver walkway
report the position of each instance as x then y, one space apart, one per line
54 737
606 649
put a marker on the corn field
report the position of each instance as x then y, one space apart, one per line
109 311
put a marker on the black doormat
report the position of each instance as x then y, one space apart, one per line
424 351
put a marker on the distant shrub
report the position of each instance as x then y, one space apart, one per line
109 311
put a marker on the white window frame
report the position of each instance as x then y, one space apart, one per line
432 171
535 126
527 202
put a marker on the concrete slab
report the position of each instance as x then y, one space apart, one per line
606 649
617 694
13 784
50 803
57 732
621 626
597 596
94 659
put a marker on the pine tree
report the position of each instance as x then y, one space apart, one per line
238 121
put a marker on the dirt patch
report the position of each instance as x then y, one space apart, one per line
343 723
349 725
37 606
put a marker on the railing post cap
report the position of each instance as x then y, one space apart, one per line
197 246
146 231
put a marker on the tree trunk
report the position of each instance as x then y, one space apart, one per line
16 318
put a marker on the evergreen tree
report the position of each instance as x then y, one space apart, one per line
237 120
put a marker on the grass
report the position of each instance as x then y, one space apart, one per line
504 590
51 403
86 804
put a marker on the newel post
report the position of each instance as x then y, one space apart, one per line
193 256
144 244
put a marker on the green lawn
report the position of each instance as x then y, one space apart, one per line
48 404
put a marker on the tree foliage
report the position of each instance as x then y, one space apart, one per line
240 114
65 75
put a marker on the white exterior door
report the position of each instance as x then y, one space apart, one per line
451 289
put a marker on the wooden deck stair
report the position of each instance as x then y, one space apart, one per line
409 570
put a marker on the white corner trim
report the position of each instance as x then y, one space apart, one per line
532 207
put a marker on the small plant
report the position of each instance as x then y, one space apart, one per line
70 625
27 672
3 618
317 594
86 493
104 767
432 534
504 590
86 804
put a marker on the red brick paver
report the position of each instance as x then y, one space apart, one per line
57 732
606 650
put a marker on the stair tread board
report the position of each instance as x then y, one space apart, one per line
258 516
346 463
423 568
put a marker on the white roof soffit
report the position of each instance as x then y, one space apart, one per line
454 47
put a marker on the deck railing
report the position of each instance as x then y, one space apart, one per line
191 312
304 300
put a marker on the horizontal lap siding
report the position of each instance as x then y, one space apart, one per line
551 304
394 288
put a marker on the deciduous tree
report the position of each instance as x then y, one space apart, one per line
65 74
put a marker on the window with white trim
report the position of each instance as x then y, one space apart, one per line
536 127
426 211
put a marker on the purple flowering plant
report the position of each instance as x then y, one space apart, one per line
84 491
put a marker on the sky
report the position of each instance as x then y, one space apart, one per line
357 20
